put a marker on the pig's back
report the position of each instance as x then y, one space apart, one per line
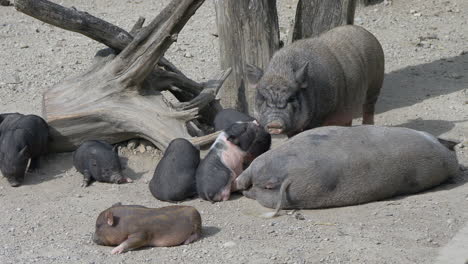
338 166
369 163
360 57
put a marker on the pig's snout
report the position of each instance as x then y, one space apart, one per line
96 239
275 127
14 181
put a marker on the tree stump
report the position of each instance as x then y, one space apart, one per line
315 16
131 90
248 33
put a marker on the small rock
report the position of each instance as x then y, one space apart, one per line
132 144
229 244
141 149
149 148
378 243
24 46
412 11
19 209
188 55
79 195
299 216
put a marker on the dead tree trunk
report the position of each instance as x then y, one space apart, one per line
316 16
123 95
248 33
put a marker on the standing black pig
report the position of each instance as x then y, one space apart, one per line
22 138
348 166
225 118
319 81
224 161
98 160
174 177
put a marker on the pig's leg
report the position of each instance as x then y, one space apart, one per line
373 91
34 164
267 198
342 118
192 238
244 181
133 241
86 179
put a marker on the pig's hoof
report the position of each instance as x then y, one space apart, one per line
192 238
15 184
117 250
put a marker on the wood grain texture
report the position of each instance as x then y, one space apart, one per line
248 33
122 95
315 16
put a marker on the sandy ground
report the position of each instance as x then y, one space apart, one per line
50 219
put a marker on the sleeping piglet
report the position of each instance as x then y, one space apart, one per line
98 160
224 161
133 226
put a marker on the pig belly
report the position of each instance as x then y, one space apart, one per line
176 238
340 118
233 158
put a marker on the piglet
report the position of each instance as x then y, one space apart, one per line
262 143
174 177
133 226
22 138
98 160
223 163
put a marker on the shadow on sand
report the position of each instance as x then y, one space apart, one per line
414 84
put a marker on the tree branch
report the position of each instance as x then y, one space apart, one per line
140 56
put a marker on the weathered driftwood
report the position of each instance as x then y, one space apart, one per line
248 33
316 16
118 98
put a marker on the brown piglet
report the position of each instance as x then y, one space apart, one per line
133 226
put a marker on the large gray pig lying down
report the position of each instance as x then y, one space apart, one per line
319 81
339 166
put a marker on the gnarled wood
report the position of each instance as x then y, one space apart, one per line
248 33
106 33
118 98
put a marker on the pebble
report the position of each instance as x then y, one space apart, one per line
141 149
188 55
132 144
229 244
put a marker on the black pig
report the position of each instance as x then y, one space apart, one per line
98 160
319 81
22 138
174 177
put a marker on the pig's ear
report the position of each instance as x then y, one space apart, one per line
109 218
254 73
301 76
